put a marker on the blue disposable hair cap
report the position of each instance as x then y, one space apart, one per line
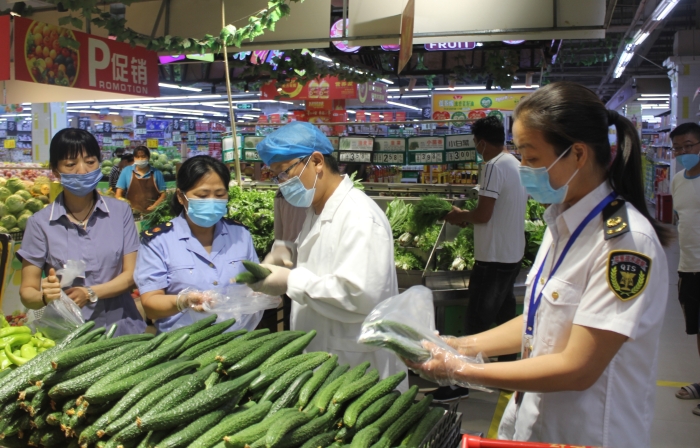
293 141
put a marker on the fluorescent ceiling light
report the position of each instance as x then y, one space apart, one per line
148 115
168 116
622 62
403 105
386 81
419 89
656 94
410 96
640 38
462 88
26 104
350 111
664 9
321 57
173 86
114 113
523 86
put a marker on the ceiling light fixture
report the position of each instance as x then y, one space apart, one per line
403 105
173 86
386 81
663 10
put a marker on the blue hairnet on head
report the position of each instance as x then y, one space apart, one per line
293 141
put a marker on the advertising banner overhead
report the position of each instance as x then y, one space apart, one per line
446 106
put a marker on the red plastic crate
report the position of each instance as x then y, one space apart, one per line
469 441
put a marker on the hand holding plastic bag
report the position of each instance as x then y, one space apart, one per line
405 324
61 316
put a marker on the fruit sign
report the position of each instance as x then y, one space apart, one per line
49 54
474 105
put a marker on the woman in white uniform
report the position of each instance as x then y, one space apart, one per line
345 252
596 295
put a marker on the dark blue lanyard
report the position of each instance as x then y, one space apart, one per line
535 304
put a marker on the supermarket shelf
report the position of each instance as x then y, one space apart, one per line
660 161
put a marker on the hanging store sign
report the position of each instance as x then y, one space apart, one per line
473 106
372 92
329 87
446 46
337 31
49 54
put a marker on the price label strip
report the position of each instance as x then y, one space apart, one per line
356 144
389 158
355 157
250 155
457 156
433 143
426 158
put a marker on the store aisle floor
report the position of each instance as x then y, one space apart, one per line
674 426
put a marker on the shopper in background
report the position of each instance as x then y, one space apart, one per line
141 184
126 160
116 169
686 202
198 249
596 295
82 225
345 252
499 238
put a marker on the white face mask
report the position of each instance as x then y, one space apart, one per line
141 163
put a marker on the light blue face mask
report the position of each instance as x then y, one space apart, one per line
81 185
537 185
296 193
688 161
206 212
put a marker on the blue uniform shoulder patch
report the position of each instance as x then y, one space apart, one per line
148 235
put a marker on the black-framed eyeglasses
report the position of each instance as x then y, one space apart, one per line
685 148
284 175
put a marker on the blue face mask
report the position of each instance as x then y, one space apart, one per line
81 185
537 185
296 193
688 161
206 212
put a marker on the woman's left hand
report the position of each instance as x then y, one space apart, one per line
79 295
443 367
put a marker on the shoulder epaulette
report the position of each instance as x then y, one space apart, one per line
615 220
235 223
148 235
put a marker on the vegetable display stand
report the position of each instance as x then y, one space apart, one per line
470 441
447 431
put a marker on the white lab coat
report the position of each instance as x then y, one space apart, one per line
345 267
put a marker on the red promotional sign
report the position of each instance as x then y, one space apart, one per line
300 115
319 105
49 54
262 119
326 88
360 116
374 117
400 116
275 119
4 47
388 116
339 116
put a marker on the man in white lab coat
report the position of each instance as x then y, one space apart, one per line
345 252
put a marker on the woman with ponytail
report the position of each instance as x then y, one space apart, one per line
596 295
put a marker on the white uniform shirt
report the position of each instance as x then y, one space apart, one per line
686 202
345 267
617 411
502 239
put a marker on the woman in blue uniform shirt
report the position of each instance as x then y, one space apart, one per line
198 249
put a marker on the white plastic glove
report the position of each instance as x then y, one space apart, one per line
191 298
274 284
280 255
446 368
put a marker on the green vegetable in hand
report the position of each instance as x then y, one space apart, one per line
428 210
255 270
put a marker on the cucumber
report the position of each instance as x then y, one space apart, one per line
388 334
344 434
426 424
254 432
356 388
191 432
74 356
232 424
321 440
315 382
287 399
192 328
210 356
80 384
254 334
206 345
152 439
206 334
154 357
283 426
28 393
372 395
236 352
213 380
258 271
53 438
307 431
204 401
366 437
396 411
246 277
90 337
376 410
54 377
335 374
253 360
118 388
294 348
326 394
4 373
111 331
402 424
38 366
285 372
39 402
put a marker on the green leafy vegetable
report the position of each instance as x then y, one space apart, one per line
406 260
428 210
535 210
458 255
161 214
400 215
534 232
426 240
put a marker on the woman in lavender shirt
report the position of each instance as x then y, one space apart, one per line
82 225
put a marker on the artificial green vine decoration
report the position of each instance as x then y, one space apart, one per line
420 65
500 66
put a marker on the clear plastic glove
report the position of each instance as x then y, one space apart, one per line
51 287
280 255
190 298
447 369
274 284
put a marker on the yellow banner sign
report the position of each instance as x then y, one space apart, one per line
473 106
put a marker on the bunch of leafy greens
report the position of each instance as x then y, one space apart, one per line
534 232
255 210
535 210
458 255
406 260
428 210
426 240
161 214
400 215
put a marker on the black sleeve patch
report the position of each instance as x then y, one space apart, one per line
628 273
615 221
148 235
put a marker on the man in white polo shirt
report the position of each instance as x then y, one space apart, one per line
499 237
686 202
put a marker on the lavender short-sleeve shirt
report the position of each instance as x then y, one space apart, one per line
50 239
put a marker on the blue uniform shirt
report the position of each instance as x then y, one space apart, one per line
175 260
125 178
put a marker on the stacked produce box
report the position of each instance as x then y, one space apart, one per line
200 386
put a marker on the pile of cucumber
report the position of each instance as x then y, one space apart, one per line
201 387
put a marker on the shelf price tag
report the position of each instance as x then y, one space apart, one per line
390 144
10 144
152 143
460 141
426 158
335 141
388 158
250 155
356 144
355 157
126 143
433 143
457 156
140 131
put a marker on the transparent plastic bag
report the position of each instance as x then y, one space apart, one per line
402 323
62 316
231 301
